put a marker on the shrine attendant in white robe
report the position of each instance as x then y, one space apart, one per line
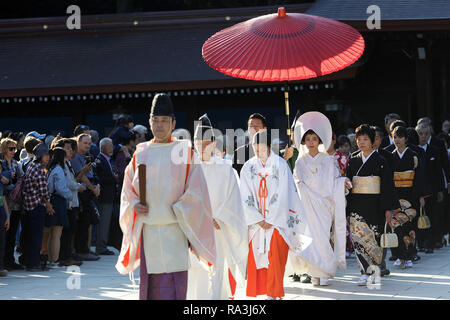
322 192
176 214
273 214
230 227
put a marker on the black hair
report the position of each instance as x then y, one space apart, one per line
400 132
80 129
61 142
57 156
31 142
365 129
413 136
74 144
16 136
379 130
396 124
126 140
260 117
310 132
343 139
82 135
123 120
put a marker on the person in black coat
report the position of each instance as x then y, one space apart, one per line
108 185
432 237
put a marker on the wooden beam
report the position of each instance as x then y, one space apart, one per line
346 73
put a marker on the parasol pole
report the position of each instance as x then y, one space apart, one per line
286 105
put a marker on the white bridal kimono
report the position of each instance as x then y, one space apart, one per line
179 210
231 239
322 193
271 189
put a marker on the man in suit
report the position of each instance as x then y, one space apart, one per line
433 167
256 122
388 120
108 185
440 145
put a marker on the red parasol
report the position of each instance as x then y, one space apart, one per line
283 47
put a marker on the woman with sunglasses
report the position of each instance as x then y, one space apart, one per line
8 148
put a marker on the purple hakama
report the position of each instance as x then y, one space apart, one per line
162 286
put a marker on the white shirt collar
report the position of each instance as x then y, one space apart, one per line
401 154
429 140
391 140
424 147
364 159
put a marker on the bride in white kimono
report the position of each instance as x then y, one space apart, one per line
322 193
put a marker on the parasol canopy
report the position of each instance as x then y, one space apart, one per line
283 47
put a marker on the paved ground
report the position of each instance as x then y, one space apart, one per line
429 279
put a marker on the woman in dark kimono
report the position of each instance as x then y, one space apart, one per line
407 180
371 201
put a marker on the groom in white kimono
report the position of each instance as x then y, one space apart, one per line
176 215
229 222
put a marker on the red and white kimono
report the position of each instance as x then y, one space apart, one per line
269 194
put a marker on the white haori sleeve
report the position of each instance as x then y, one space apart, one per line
230 217
249 197
194 214
131 226
285 208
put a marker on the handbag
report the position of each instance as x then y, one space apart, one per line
16 193
423 222
389 240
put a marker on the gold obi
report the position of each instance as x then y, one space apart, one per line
404 179
366 185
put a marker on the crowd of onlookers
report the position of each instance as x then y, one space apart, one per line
433 153
59 195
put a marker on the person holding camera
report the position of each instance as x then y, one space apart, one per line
83 166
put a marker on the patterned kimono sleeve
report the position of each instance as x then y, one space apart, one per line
249 202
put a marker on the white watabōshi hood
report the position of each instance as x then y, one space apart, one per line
316 122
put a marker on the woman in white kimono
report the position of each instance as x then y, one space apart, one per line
272 211
322 193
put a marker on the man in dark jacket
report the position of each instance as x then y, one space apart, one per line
108 185
433 167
